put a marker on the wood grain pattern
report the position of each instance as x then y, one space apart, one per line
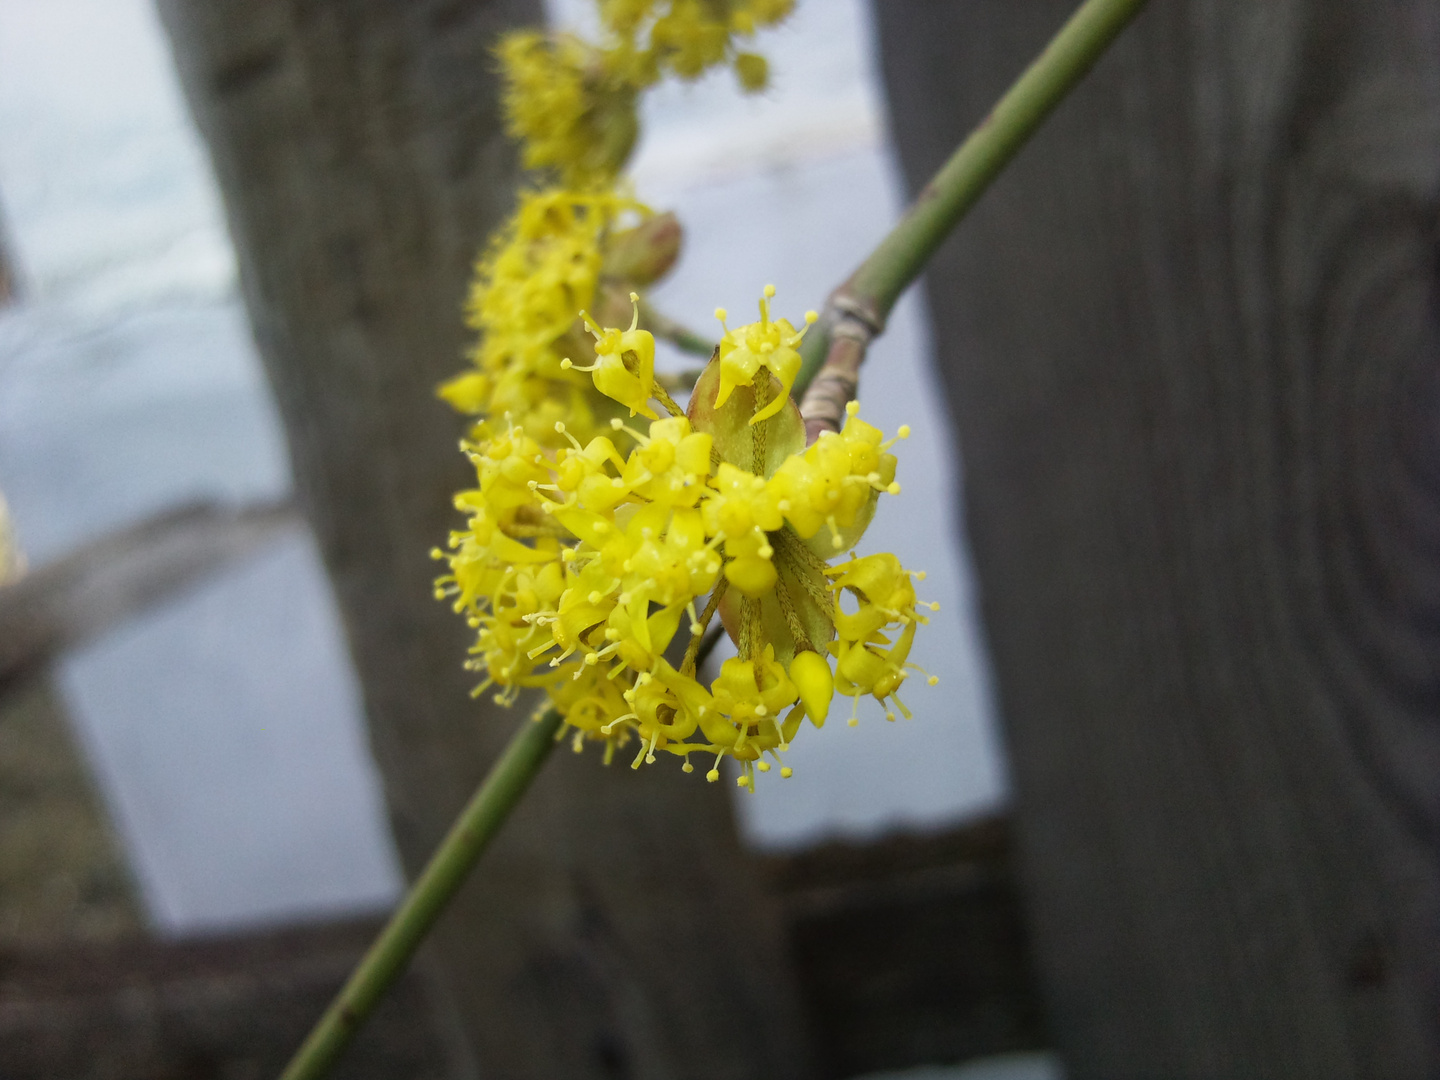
1191 341
612 931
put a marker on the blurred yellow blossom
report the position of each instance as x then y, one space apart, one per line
572 103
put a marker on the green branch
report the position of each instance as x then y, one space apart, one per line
873 288
468 837
678 334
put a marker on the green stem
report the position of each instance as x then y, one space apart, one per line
673 331
897 261
448 867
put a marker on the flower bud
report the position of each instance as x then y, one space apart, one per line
645 253
810 672
753 72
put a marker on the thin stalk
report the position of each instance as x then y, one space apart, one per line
679 382
673 331
448 867
873 288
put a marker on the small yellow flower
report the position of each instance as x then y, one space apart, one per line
764 344
672 463
836 481
868 661
624 368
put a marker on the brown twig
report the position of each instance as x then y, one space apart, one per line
852 324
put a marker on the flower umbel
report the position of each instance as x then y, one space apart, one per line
582 567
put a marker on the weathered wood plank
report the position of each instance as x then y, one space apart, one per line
200 1010
909 950
62 875
614 929
1191 343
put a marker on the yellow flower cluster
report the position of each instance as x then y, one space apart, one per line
572 103
596 556
584 569
563 251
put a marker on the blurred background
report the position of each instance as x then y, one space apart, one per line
206 765
229 725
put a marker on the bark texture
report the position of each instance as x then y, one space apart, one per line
613 930
1191 344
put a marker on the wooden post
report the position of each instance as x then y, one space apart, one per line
614 930
1191 343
